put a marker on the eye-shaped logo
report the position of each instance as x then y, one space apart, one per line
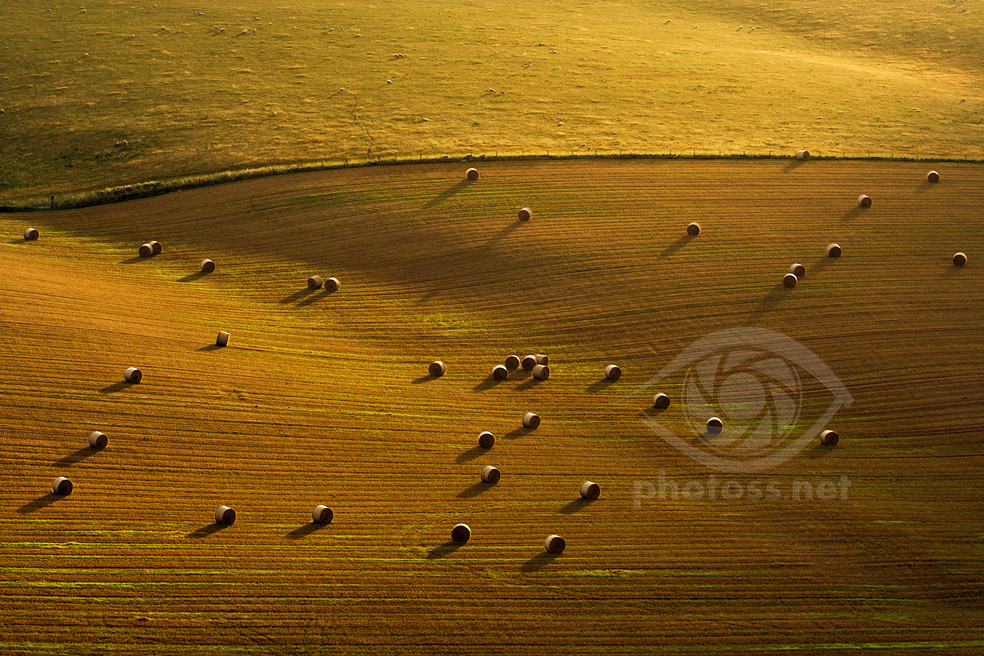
762 386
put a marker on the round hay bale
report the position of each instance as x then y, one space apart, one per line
541 372
864 201
133 375
613 372
98 441
554 544
208 266
933 176
541 358
803 155
145 250
959 259
322 515
222 339
315 282
31 234
499 373
491 475
525 214
225 515
714 426
437 368
833 250
472 174
512 363
590 491
829 438
789 280
460 534
693 229
62 486
332 285
156 248
486 440
797 270
531 420
529 362
661 401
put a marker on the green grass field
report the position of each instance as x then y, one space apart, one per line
109 97
325 399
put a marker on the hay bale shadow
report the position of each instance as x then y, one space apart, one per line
771 299
651 412
17 241
513 434
134 259
852 213
115 387
447 193
821 264
529 384
575 505
470 454
819 451
296 296
206 530
505 232
474 490
677 245
424 379
304 530
793 165
74 458
538 562
40 502
194 276
604 383
443 550
212 347
926 184
314 299
486 384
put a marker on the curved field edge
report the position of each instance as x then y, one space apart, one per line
120 193
322 398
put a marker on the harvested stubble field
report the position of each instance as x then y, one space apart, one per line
324 399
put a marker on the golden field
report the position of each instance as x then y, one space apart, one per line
133 90
324 399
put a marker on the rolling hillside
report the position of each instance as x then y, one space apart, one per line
134 90
324 398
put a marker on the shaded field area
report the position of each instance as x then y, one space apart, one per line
127 92
324 399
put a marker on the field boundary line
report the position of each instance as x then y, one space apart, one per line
150 188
